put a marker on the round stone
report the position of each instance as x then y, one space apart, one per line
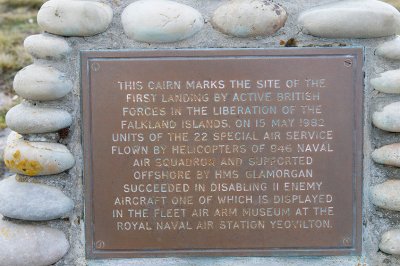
387 82
389 155
351 19
388 118
32 202
4 134
13 136
249 18
28 245
386 195
45 46
390 242
74 18
390 49
41 83
160 21
29 119
37 158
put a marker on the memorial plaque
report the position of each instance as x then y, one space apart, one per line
244 152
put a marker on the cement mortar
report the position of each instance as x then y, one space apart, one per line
375 221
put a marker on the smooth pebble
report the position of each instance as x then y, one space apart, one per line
32 202
37 158
389 155
351 19
249 18
28 119
160 21
390 242
74 18
390 49
387 82
45 46
41 83
388 118
386 195
31 245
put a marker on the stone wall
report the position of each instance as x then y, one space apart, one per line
49 151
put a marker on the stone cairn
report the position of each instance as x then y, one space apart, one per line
34 149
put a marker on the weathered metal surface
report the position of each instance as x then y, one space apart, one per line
222 152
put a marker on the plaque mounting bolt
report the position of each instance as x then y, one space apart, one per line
95 66
348 63
100 244
346 241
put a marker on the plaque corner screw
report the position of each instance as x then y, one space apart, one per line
95 66
348 63
100 244
346 240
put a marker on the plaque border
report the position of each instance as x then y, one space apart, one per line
354 55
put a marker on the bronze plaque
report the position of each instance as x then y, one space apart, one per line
241 152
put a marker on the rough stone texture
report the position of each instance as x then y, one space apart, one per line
388 118
28 119
390 242
27 245
386 195
387 82
37 158
74 18
32 202
351 19
49 137
160 21
389 155
390 49
45 46
41 83
249 18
